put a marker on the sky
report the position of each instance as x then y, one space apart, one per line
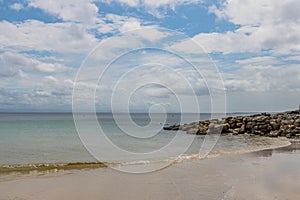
247 53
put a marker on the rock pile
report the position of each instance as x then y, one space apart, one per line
286 124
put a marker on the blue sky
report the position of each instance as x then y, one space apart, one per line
255 45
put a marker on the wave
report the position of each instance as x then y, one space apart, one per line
46 168
278 143
49 167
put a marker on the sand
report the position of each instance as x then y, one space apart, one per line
269 174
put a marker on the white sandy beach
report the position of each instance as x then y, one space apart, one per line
269 174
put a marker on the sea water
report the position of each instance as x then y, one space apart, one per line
39 138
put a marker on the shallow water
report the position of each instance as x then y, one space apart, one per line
30 139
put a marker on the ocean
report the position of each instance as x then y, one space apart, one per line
48 140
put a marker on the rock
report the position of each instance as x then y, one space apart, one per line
273 125
297 122
172 128
215 128
186 127
292 126
245 120
249 125
226 127
287 122
274 133
240 124
236 131
295 131
243 129
193 131
258 132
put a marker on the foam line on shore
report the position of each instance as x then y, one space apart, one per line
56 167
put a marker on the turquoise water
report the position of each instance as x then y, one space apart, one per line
52 138
39 138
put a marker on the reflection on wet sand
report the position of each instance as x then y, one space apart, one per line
293 148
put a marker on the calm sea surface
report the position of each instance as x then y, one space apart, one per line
52 138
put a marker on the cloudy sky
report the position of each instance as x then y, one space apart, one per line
255 45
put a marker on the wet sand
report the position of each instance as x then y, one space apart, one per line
268 174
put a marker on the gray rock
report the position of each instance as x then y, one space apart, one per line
273 125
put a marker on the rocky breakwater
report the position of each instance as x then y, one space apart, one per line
285 124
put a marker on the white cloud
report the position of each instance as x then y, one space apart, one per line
15 62
132 3
40 36
69 10
63 37
48 67
51 78
152 6
158 84
130 25
30 80
25 80
111 48
265 24
281 38
263 60
156 3
40 93
154 66
228 42
293 58
267 79
27 83
246 12
16 6
112 23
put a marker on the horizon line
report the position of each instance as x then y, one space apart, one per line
66 112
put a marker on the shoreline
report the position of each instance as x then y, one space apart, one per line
40 170
48 167
272 173
52 168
